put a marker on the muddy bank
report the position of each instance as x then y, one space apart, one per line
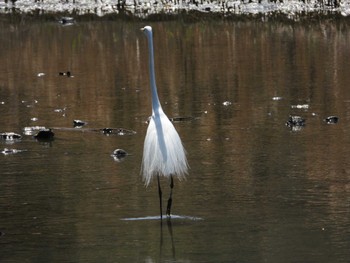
143 9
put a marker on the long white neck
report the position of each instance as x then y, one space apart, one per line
155 100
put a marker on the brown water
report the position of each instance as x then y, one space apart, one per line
257 191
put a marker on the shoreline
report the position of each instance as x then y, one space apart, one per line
293 10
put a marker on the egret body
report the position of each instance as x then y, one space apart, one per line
163 152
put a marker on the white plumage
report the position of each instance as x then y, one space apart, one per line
163 152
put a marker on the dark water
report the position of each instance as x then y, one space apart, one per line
257 191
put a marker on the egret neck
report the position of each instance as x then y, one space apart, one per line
155 100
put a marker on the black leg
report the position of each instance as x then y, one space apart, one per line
170 200
160 198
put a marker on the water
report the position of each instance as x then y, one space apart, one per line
257 190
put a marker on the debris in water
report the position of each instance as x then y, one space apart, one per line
63 111
118 131
227 103
41 74
7 151
277 98
68 74
29 104
60 110
331 119
66 21
180 119
300 106
10 136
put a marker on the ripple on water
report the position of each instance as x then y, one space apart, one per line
193 218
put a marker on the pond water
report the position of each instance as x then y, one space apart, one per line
257 190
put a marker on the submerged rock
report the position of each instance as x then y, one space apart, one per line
331 119
10 136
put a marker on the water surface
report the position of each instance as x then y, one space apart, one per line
257 191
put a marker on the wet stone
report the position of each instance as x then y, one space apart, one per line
10 136
119 154
331 119
295 121
45 134
79 123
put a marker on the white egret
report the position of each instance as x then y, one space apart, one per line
163 152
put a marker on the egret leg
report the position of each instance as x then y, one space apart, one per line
160 198
170 200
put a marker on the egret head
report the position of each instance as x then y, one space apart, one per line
147 30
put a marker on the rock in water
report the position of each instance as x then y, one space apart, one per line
331 119
295 121
79 123
45 134
119 153
10 136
